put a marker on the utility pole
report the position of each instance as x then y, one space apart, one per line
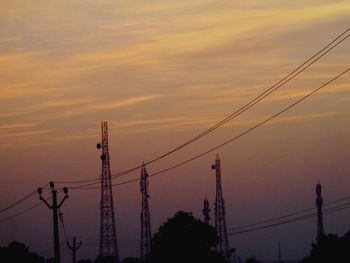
279 252
74 248
54 207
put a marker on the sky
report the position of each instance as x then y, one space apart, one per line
160 72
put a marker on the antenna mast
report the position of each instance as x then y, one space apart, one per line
206 211
220 220
108 235
145 216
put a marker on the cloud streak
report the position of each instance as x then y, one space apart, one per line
125 103
174 59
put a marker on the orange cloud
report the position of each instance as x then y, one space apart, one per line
125 103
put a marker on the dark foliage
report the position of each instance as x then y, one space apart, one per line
18 252
131 260
85 261
107 259
330 248
184 239
252 260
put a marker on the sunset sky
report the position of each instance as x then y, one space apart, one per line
160 72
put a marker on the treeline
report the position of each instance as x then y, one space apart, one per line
17 252
330 248
185 239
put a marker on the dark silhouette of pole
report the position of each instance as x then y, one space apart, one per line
55 207
279 252
74 248
319 204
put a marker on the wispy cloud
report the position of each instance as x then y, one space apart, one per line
125 103
57 104
192 53
10 39
17 126
24 134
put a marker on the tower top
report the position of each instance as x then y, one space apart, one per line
217 157
318 189
143 170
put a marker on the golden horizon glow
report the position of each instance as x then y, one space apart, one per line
161 72
65 66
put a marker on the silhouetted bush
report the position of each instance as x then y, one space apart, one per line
330 248
184 239
18 252
85 261
107 259
131 260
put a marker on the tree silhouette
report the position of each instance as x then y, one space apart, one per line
330 248
252 260
131 260
105 259
18 252
85 261
184 239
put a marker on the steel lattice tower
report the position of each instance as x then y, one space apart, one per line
145 216
220 220
206 211
319 204
108 234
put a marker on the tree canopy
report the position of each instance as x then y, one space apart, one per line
330 248
18 252
184 239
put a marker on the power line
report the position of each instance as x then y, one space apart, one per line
290 215
19 201
288 221
86 187
66 238
20 213
241 110
97 240
272 220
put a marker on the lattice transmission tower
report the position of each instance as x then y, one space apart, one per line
145 216
108 234
206 211
220 220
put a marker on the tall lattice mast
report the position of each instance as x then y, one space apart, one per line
206 211
108 235
220 220
145 216
319 204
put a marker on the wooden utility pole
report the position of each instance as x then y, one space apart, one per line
74 248
54 207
